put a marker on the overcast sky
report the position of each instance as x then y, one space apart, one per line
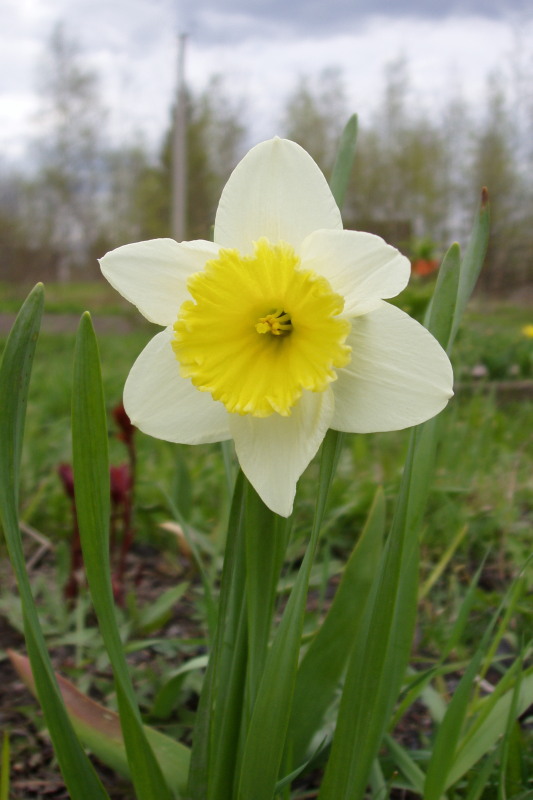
261 47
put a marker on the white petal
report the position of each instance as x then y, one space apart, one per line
274 451
153 275
276 191
163 404
398 374
359 266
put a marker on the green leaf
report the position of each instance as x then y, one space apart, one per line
480 738
448 761
340 176
322 667
166 698
91 479
218 719
440 312
443 562
472 261
99 729
4 765
406 765
78 773
377 665
158 612
479 783
265 742
375 670
445 745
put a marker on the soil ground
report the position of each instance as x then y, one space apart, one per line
34 771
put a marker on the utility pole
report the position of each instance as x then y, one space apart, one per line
179 149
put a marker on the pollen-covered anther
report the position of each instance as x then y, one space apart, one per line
278 323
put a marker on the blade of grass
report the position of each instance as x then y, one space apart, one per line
324 662
4 774
486 731
91 480
445 745
517 591
211 608
406 765
479 784
78 772
510 760
455 751
422 680
166 698
443 562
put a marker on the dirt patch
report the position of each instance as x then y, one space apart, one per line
34 772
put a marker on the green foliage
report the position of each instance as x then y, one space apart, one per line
15 371
4 767
256 730
91 477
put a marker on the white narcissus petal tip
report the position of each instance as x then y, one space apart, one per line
277 192
398 374
274 451
361 267
153 275
163 404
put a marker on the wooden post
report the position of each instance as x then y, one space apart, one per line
179 149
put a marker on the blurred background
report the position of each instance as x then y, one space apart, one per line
120 120
90 97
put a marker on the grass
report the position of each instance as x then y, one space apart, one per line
484 480
481 505
67 298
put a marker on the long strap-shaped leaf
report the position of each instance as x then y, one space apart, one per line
78 773
378 662
324 662
342 169
218 718
91 476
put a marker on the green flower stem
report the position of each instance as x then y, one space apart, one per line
266 543
265 741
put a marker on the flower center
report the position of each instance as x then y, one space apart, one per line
260 330
278 323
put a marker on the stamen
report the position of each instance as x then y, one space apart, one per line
278 323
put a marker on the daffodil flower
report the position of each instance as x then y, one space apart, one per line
278 329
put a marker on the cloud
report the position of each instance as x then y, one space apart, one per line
259 46
220 20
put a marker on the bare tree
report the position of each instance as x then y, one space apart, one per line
69 151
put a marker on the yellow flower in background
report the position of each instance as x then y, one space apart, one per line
278 330
527 330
